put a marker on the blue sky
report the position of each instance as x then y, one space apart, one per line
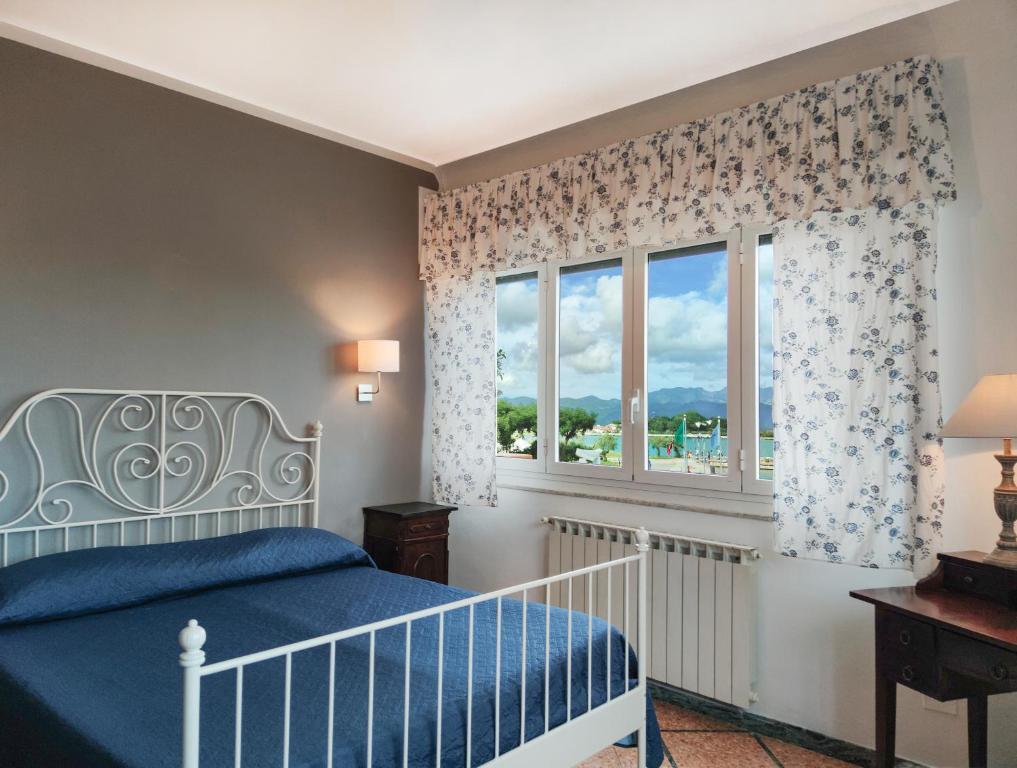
686 326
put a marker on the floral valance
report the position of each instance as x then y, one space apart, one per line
876 139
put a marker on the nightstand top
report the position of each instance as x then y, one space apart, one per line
410 509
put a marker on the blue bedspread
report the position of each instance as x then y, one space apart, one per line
104 688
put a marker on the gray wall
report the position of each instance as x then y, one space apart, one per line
815 643
149 239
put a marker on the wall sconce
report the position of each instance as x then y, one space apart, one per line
375 356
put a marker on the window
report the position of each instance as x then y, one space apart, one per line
686 368
764 364
518 364
649 366
589 341
757 359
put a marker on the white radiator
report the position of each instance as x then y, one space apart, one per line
701 599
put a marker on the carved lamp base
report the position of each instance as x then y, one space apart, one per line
1005 497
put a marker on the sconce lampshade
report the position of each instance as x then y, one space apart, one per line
989 410
378 356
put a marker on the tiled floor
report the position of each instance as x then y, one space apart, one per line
692 740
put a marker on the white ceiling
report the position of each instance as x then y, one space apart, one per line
435 81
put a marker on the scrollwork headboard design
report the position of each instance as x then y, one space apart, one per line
94 467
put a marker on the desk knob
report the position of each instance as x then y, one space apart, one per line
908 673
905 637
999 672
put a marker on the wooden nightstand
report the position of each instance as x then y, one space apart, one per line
411 539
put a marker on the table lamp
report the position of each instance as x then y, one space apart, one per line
990 410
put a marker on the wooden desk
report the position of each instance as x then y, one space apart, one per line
952 636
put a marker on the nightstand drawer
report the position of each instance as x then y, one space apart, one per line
423 529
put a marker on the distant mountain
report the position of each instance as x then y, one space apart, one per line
664 402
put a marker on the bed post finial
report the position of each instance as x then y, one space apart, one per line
315 428
192 637
642 540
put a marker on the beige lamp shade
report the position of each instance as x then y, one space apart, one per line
378 356
989 410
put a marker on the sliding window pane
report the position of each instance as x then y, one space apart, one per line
518 310
686 360
590 304
764 302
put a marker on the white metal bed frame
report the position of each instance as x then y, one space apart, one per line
169 421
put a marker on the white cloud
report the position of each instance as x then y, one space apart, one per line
686 341
686 335
517 305
589 339
718 282
765 268
686 327
599 357
517 310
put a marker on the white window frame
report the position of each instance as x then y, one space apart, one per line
538 465
751 483
575 469
742 409
732 480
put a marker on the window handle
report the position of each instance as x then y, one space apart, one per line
633 406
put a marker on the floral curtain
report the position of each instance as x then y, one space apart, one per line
878 138
461 350
873 140
857 464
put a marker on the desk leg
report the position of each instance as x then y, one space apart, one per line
978 731
886 721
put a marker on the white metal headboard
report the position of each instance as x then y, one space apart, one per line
91 467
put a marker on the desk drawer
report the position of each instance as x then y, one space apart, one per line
904 637
908 651
995 667
974 581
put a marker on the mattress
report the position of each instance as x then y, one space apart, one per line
89 673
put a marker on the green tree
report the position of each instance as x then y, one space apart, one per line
516 421
666 425
605 444
499 361
567 450
573 422
659 443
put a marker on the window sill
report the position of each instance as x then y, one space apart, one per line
712 502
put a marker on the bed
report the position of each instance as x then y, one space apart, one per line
294 649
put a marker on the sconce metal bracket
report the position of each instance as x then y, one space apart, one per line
366 392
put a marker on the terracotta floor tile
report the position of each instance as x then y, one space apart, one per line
699 741
796 757
716 750
673 718
604 759
629 758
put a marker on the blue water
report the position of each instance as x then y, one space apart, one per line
695 444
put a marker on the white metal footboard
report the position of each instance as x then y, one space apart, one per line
564 745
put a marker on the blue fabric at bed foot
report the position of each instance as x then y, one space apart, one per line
105 689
